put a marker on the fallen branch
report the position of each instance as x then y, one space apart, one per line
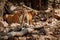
2 4
21 33
29 8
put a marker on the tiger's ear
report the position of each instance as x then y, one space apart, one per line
30 12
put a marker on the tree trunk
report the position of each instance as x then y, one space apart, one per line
2 4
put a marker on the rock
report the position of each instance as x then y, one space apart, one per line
35 37
28 38
42 31
16 38
22 38
14 25
1 27
1 24
4 23
12 8
51 22
56 13
57 32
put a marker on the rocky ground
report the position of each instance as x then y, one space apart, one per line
41 30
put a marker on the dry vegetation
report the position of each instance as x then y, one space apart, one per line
20 22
